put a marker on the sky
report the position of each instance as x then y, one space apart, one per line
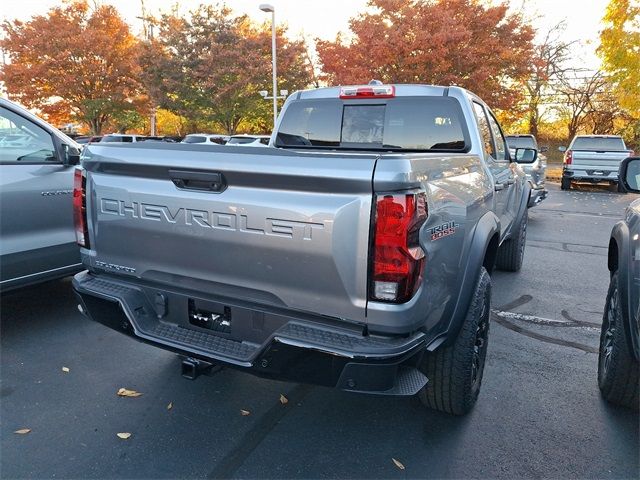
325 18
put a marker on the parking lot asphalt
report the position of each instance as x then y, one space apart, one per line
539 413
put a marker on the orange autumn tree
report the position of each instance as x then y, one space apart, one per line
448 42
209 65
74 59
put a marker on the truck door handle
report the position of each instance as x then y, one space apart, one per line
199 181
499 186
511 181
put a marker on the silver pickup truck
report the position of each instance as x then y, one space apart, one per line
355 252
594 159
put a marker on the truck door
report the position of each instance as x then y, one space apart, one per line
508 177
495 156
35 201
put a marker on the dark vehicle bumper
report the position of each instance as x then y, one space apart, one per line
261 341
591 175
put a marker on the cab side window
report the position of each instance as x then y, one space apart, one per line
23 141
501 144
485 131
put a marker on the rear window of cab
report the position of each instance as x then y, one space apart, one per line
598 143
401 123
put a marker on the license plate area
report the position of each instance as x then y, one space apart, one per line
217 320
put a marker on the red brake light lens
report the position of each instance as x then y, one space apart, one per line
80 207
368 91
397 258
568 157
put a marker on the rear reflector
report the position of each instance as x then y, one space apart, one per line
80 207
368 91
397 258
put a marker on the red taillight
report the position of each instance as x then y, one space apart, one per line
369 91
568 157
397 258
80 208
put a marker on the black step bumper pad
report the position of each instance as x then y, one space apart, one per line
299 350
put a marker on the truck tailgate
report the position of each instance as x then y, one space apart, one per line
598 160
283 229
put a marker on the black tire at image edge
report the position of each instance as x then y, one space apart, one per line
618 375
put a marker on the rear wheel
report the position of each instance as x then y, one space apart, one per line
455 371
618 374
511 252
565 183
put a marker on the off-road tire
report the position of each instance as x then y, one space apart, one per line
455 371
511 252
618 374
565 183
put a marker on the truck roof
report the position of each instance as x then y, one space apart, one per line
401 90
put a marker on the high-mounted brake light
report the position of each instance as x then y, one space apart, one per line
80 207
397 259
368 91
568 157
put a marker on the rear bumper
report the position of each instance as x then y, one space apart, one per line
279 345
592 174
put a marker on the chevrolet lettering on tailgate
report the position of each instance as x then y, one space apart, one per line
209 219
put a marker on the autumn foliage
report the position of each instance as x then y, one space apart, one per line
620 51
210 65
203 71
443 42
72 62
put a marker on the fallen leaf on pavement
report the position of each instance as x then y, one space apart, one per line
123 435
22 431
123 392
65 369
398 464
283 400
170 406
244 413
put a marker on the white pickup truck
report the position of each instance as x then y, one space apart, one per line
593 158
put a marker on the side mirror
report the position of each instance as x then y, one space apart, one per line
562 149
71 155
629 174
544 149
526 155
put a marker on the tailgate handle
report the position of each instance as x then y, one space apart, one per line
200 181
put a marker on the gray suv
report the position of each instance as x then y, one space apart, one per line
618 364
37 240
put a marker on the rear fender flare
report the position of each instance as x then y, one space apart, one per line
619 256
486 229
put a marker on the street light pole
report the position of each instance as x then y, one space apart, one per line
265 7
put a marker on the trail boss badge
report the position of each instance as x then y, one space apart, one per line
443 230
